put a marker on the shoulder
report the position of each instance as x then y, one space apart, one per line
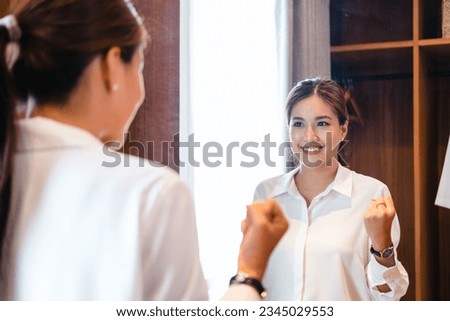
269 182
157 189
366 182
361 178
272 186
123 171
143 171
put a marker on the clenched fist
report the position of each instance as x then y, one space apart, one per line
378 221
263 227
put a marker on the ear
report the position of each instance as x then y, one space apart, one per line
112 69
344 130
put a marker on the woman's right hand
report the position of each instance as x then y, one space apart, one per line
263 227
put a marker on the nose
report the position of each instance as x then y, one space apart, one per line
310 134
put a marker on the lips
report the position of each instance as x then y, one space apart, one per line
312 147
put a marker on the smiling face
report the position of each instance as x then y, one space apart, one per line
315 132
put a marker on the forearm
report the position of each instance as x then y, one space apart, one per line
386 262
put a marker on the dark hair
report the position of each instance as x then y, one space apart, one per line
59 40
326 89
330 92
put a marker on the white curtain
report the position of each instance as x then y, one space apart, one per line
303 31
303 46
229 102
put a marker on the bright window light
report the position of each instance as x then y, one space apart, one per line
232 121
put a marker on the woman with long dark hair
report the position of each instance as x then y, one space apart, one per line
343 229
71 228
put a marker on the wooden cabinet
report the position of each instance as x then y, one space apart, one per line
392 56
4 5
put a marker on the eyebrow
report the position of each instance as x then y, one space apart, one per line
317 118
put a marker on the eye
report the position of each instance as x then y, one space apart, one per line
297 124
322 123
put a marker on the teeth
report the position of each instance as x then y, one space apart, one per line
312 149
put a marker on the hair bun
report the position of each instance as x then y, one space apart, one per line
354 112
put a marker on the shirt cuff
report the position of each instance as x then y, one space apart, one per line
379 274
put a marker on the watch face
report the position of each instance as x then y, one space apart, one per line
387 253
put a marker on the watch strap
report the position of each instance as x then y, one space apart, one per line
242 278
386 253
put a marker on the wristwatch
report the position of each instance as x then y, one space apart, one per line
242 278
385 253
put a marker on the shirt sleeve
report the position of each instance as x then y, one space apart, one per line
170 264
395 277
443 195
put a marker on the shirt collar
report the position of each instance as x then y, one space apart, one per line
285 183
342 183
44 133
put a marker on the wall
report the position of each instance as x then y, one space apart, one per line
158 118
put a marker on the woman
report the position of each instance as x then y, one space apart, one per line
70 228
343 230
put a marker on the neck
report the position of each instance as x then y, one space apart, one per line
311 182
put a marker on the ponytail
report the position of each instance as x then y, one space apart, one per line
7 126
354 113
354 117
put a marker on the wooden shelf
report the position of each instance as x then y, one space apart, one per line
434 42
373 46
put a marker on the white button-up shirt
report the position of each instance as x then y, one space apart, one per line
443 195
79 230
325 254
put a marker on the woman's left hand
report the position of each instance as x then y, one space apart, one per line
378 221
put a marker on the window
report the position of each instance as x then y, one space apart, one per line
232 121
